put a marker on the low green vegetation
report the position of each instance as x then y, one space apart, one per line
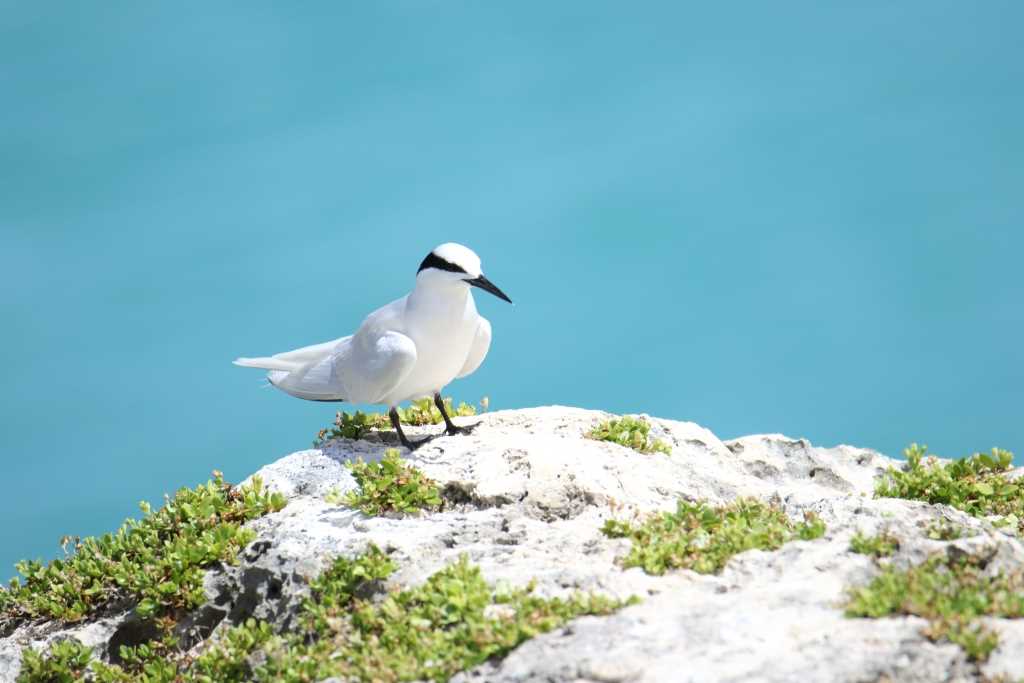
978 485
951 593
64 662
703 537
631 432
354 426
942 530
157 562
389 485
420 412
424 412
452 622
882 545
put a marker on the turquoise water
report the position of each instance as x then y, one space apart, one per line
763 217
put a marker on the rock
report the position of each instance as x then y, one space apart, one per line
10 659
526 497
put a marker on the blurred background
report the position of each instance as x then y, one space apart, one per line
794 217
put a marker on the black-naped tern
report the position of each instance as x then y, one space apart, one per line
407 349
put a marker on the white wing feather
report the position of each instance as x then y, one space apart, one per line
375 364
313 381
362 368
351 371
310 353
292 360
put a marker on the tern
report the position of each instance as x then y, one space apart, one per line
410 348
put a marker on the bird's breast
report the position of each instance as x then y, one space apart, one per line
443 336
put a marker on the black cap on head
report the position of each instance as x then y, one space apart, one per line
435 261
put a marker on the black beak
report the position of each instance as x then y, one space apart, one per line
488 286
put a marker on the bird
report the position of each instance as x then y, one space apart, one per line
408 349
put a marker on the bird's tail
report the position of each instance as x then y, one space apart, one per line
268 364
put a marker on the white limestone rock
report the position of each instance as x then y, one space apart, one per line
527 495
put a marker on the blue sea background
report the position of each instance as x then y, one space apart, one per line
796 217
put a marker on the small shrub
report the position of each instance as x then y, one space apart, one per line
64 662
631 432
227 659
352 426
158 561
424 412
702 537
950 593
389 485
332 592
977 485
882 545
941 530
451 623
977 641
420 412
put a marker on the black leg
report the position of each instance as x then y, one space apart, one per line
449 426
397 424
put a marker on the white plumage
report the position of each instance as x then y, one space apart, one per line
410 348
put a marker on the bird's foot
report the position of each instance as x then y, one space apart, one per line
413 445
452 430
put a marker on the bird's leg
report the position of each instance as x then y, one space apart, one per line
397 424
449 426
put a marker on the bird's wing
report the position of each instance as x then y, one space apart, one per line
311 353
362 368
477 352
293 360
309 372
374 364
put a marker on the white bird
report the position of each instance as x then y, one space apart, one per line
410 348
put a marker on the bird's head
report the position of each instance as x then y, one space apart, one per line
453 263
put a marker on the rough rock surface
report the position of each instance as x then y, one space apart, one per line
528 495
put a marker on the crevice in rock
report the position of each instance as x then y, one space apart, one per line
762 469
253 582
131 632
199 624
571 503
827 477
457 493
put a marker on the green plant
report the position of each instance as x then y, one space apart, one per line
631 432
351 426
882 545
389 485
950 593
703 537
64 662
332 592
450 623
978 485
157 562
420 412
976 639
70 660
942 530
228 659
424 412
155 661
